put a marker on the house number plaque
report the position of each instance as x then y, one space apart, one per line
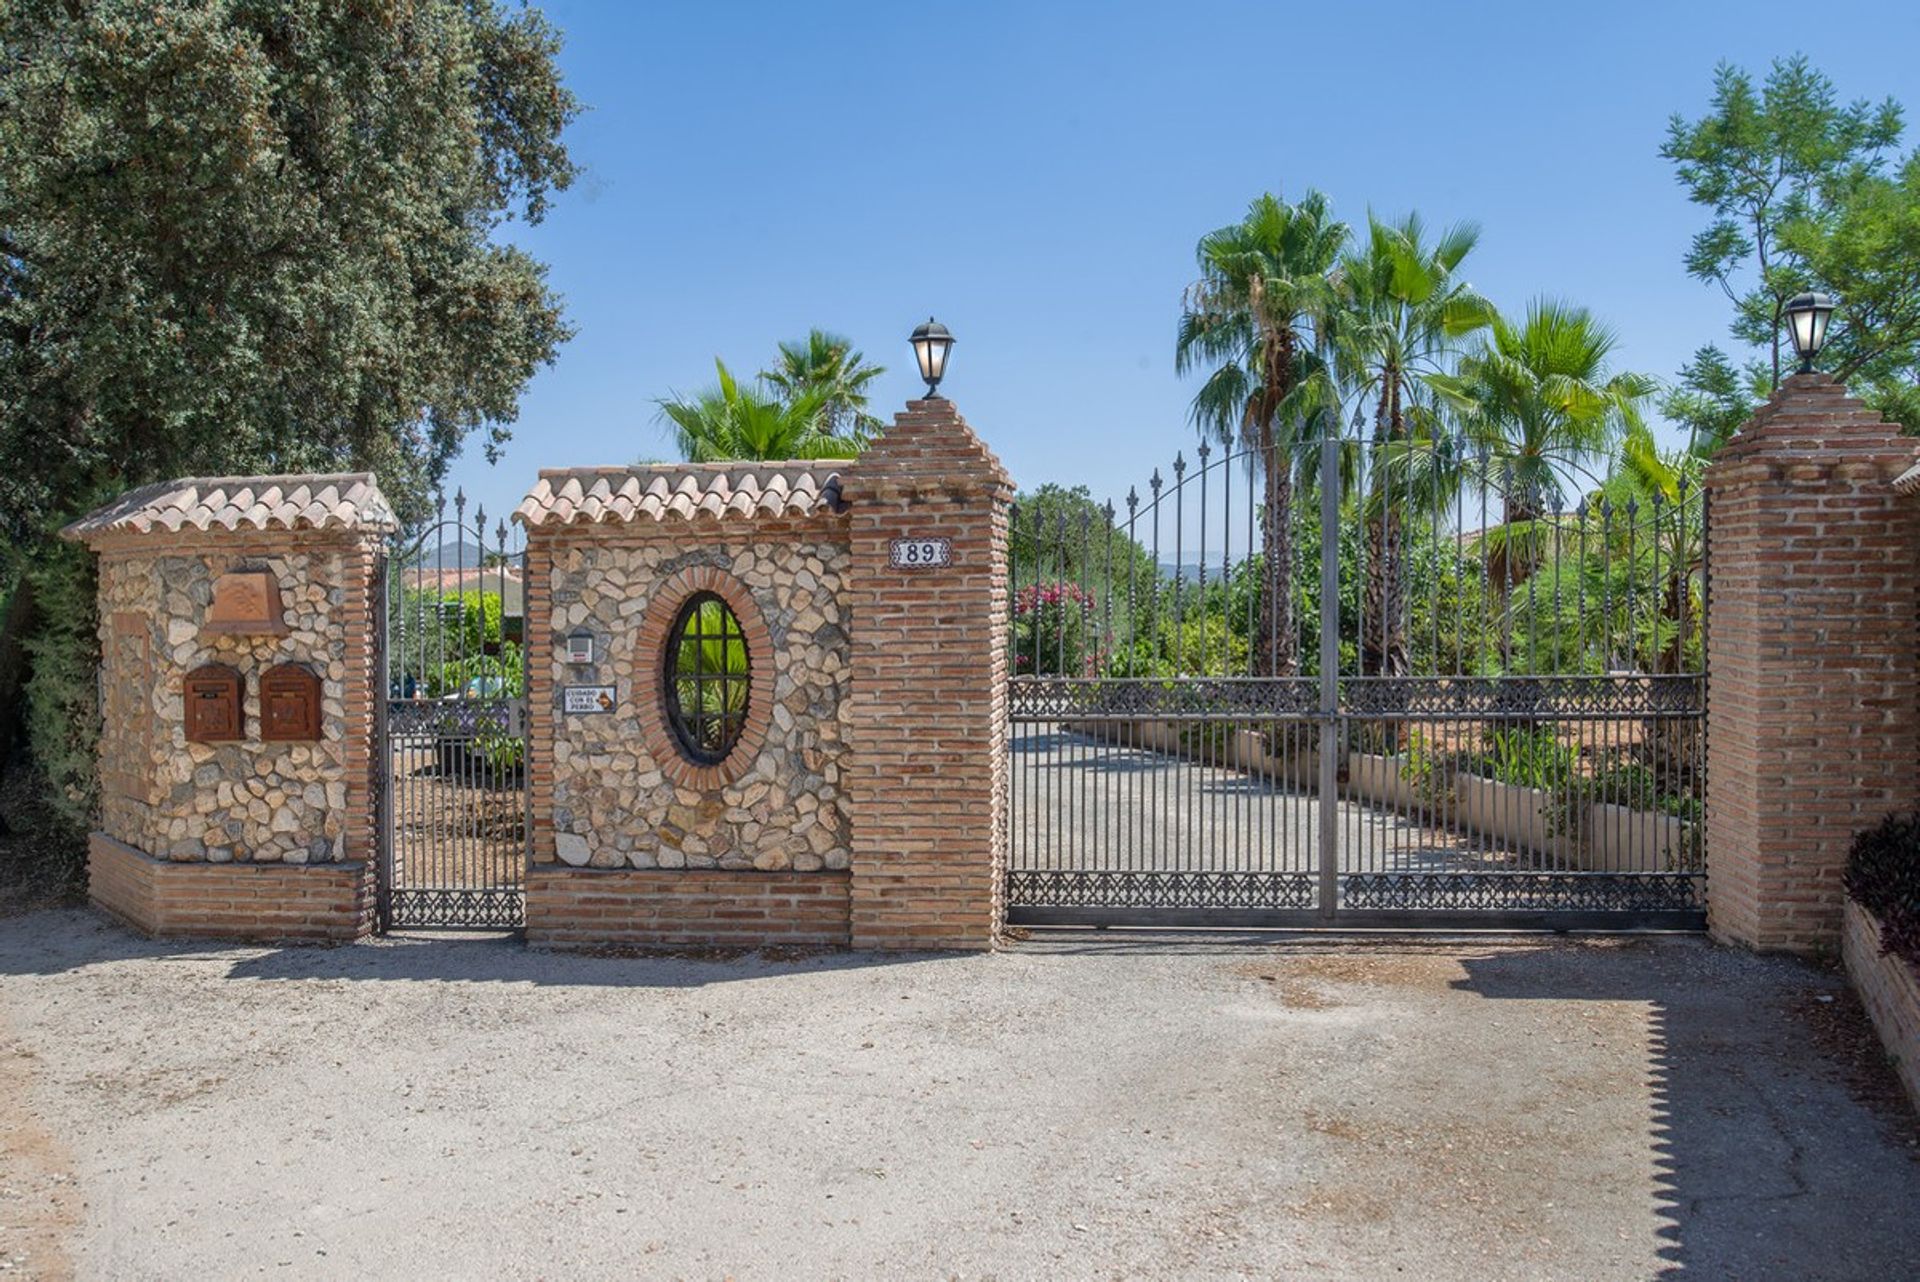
920 554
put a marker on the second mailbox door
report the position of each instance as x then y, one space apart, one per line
289 704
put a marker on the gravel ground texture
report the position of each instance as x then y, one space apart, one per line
1078 1106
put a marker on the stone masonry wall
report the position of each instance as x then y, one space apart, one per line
621 797
242 801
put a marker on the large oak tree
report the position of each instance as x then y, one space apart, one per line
252 235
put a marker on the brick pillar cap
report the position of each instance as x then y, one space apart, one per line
929 448
1811 419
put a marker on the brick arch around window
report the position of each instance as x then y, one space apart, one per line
656 625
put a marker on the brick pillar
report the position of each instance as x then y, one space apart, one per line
928 717
1811 702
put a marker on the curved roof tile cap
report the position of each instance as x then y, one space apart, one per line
686 491
346 501
1908 482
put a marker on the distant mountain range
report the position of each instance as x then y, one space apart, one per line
462 555
1190 570
452 556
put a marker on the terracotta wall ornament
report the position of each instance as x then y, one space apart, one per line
246 603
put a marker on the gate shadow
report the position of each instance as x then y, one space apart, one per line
1772 1158
59 942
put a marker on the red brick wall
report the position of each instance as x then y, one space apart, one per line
928 776
316 903
1889 988
683 907
1812 675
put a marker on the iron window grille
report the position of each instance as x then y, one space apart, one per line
706 679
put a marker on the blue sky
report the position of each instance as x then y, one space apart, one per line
1036 175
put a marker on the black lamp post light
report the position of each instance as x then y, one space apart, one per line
1807 317
931 343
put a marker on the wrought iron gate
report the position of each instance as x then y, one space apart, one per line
1470 694
452 729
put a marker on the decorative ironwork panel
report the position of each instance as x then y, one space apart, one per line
445 909
1173 698
1110 889
1513 698
1524 892
455 718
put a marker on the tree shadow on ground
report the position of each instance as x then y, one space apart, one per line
51 943
1776 1152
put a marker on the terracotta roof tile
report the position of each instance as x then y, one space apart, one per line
348 501
686 491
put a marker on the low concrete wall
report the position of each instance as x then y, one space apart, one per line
1889 988
1625 839
1520 816
1377 778
1613 838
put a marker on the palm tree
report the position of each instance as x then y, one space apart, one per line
1254 320
826 364
1537 399
732 421
1402 310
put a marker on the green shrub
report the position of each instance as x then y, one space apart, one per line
63 693
1427 768
1527 756
1208 740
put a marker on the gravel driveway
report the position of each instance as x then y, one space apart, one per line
1075 1107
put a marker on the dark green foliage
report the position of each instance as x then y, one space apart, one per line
1526 756
251 236
62 694
255 234
1808 192
1711 400
1883 876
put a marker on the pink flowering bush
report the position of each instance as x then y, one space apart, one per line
1056 631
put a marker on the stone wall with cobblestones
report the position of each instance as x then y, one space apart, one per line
622 794
243 800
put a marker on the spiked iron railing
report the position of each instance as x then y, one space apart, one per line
1446 693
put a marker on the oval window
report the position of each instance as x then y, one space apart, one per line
706 679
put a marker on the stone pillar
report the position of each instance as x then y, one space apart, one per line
1811 700
264 828
928 727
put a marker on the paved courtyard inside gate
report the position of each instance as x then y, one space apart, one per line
1079 1106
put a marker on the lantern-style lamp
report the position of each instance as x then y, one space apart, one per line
1807 317
931 343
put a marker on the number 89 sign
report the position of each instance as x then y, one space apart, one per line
920 554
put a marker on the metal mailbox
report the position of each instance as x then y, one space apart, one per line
215 704
289 704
